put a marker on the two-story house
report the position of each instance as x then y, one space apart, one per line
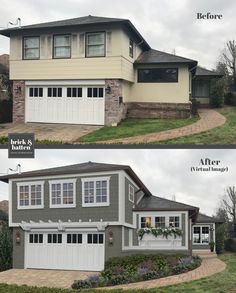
76 217
94 70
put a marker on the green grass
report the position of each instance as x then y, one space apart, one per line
219 283
225 134
132 127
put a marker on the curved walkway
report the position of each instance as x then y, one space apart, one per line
211 265
209 119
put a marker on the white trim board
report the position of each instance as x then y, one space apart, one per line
66 82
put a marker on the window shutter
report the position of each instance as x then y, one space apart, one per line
82 44
108 41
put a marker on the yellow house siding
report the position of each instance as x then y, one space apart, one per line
162 92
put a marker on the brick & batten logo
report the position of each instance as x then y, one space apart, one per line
20 145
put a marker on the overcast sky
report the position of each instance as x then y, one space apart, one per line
165 172
165 24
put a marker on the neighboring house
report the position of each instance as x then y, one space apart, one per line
201 86
94 70
76 217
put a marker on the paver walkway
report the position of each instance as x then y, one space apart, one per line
66 133
209 119
64 279
43 278
211 265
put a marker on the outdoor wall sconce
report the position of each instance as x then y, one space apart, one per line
110 233
18 238
108 89
18 90
212 229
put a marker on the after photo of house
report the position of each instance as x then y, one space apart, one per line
93 218
96 78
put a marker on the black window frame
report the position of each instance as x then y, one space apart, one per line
131 48
155 81
23 48
53 46
86 44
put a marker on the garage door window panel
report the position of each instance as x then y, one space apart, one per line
62 194
55 92
30 195
35 92
35 238
54 238
62 46
75 92
94 92
95 192
95 238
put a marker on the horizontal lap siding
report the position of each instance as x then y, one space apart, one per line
107 213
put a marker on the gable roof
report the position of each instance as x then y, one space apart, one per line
158 57
201 218
155 203
206 72
79 22
88 167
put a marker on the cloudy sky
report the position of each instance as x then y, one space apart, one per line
165 172
166 25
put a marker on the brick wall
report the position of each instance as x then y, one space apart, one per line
115 110
158 110
18 101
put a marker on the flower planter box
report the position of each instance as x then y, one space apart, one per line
149 240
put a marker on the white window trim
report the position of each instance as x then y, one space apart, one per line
30 207
160 214
195 243
131 188
58 206
94 179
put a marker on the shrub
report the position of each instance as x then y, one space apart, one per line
5 248
230 98
220 238
217 93
230 244
81 284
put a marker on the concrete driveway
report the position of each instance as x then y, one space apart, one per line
66 133
43 278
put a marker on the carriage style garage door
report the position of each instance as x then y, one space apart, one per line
73 104
66 251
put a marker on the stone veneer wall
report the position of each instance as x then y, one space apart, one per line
18 101
158 110
115 110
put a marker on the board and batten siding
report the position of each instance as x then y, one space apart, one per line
106 213
116 65
128 204
167 92
18 250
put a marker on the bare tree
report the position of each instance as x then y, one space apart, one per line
229 205
229 59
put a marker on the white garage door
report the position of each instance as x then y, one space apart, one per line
66 251
65 104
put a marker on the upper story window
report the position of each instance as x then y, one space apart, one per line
95 44
62 46
201 234
131 48
31 48
95 191
160 222
131 193
174 222
30 195
158 75
62 193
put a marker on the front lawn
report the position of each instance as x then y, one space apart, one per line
132 127
219 283
225 134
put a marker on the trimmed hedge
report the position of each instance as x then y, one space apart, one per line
5 111
230 244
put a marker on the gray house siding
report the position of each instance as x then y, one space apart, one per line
204 246
126 236
18 249
183 218
107 213
128 204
